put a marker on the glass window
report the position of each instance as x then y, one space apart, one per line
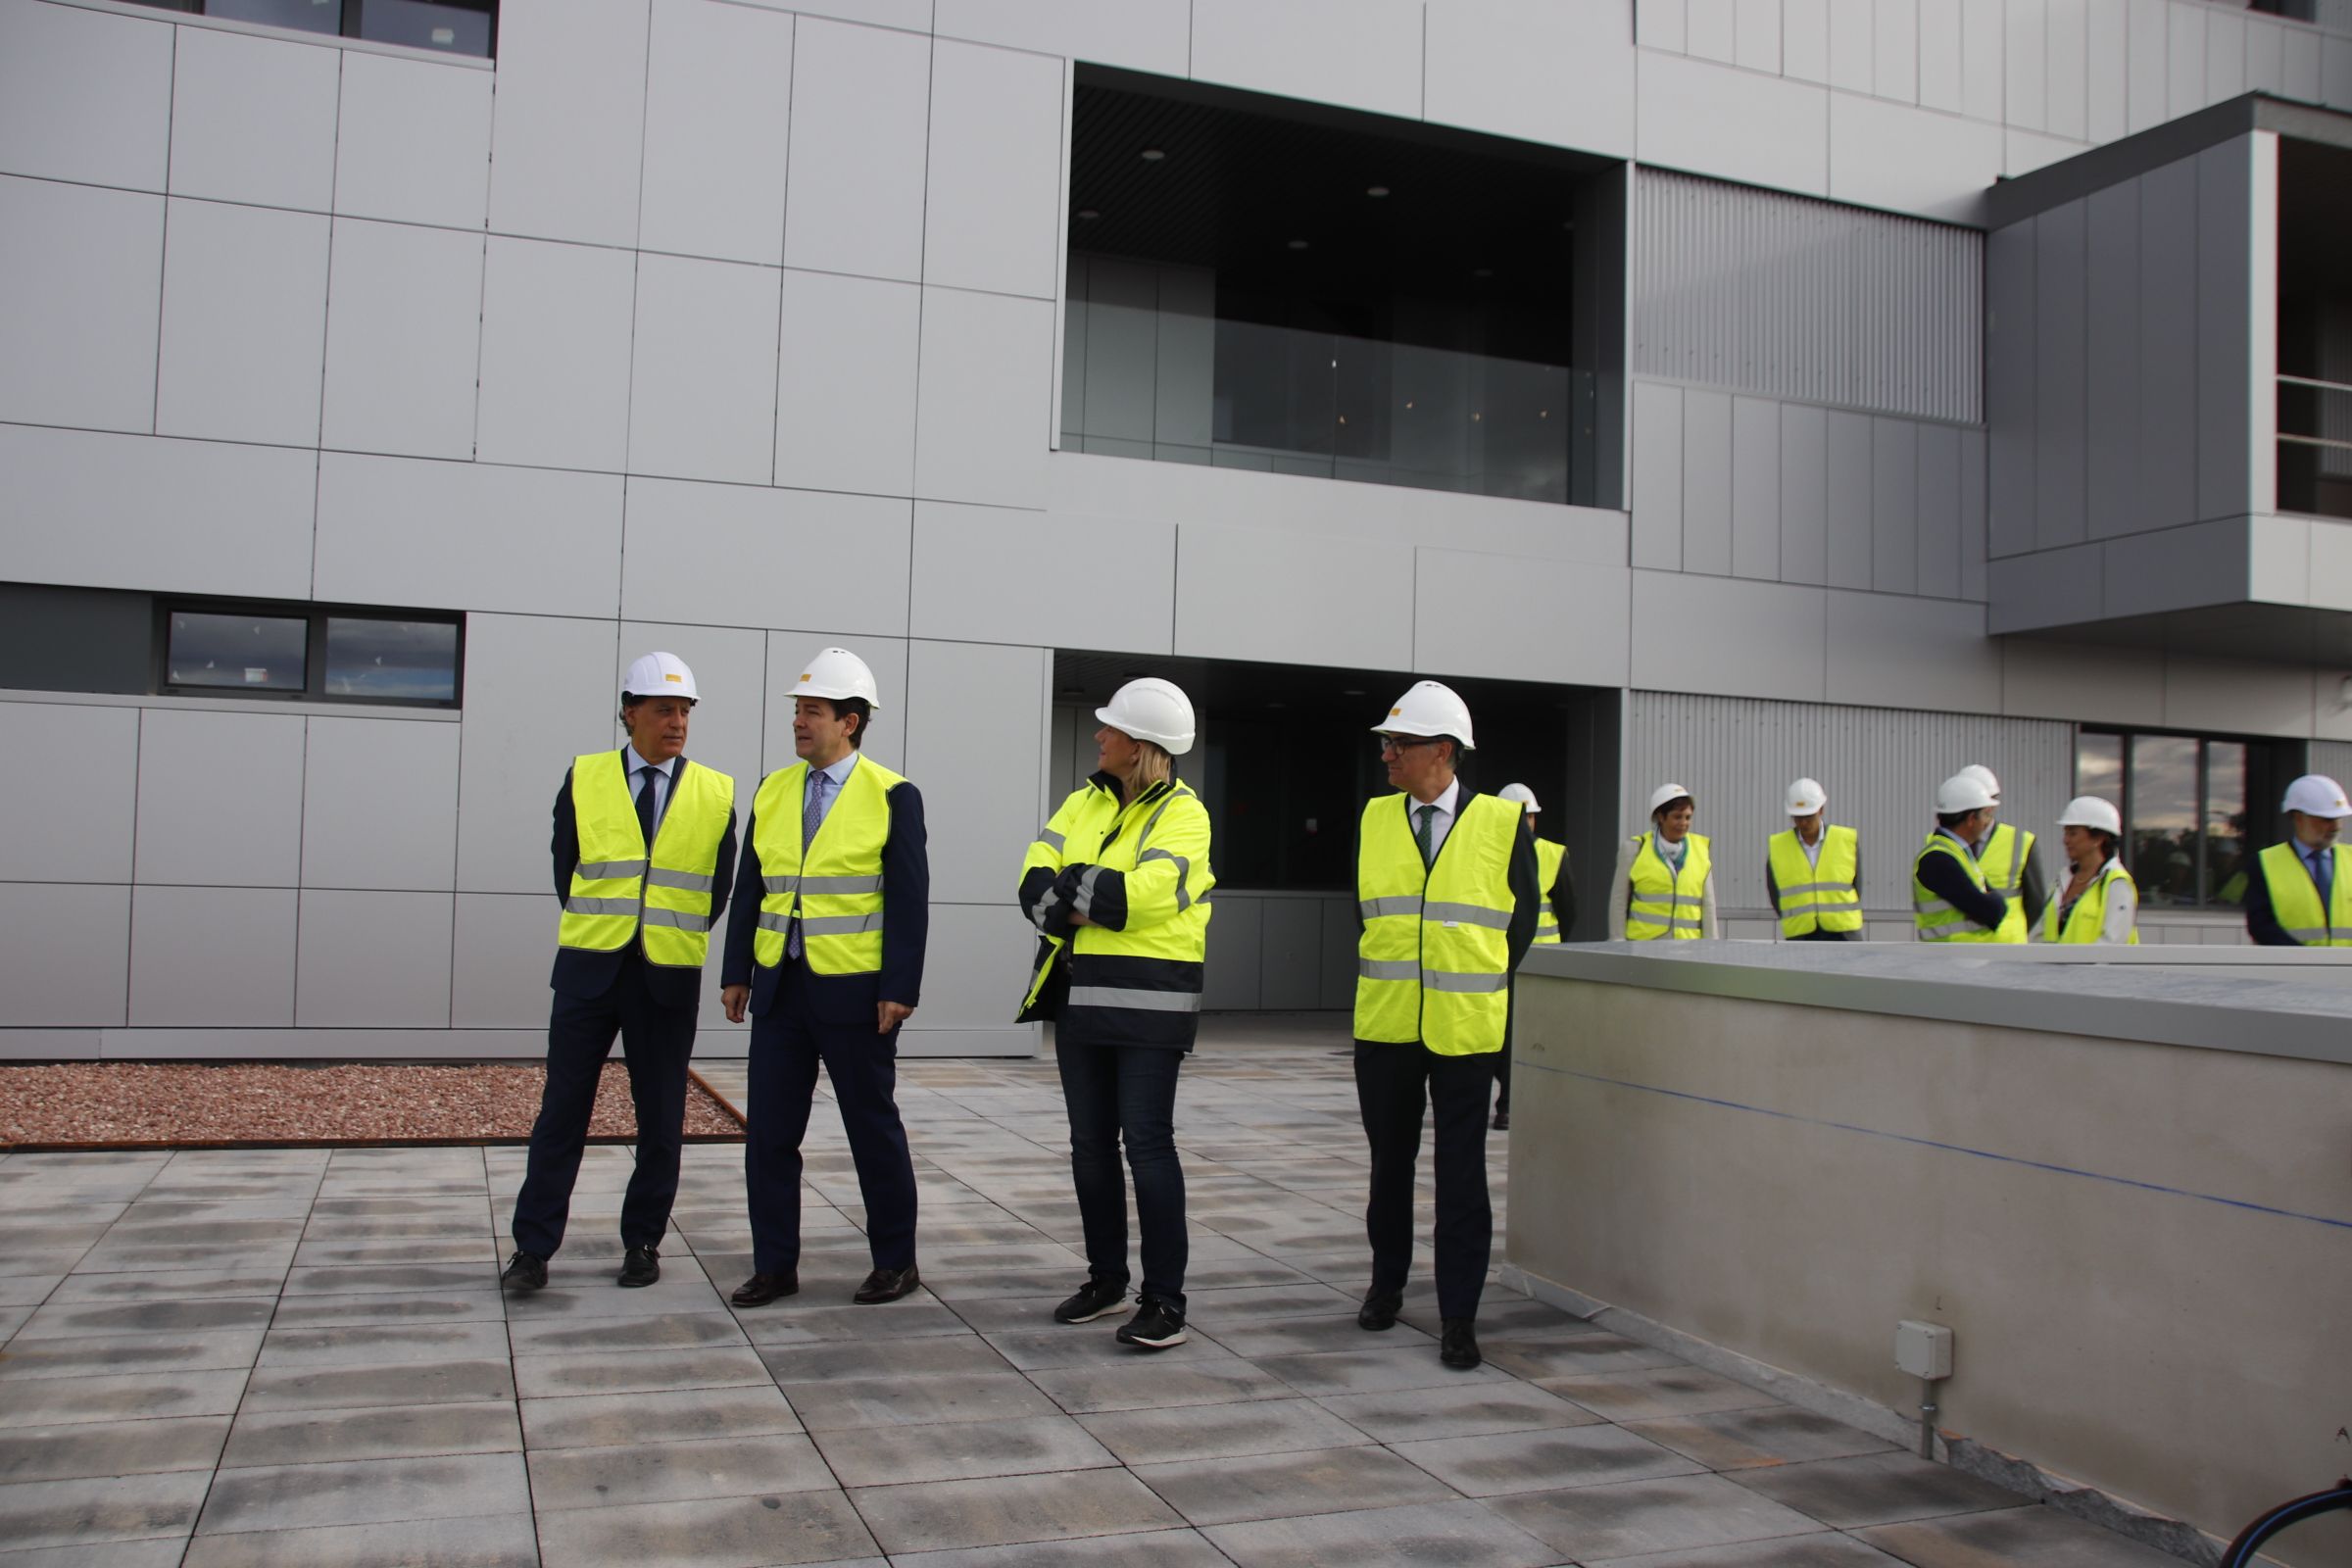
311 16
250 652
2225 793
2189 820
2162 830
2099 768
402 661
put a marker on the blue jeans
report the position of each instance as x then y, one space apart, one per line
1129 1093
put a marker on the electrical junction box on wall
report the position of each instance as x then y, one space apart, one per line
1922 1349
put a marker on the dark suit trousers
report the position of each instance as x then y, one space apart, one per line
657 1040
788 1042
1395 1084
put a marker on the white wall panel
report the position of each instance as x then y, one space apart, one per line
2185 57
789 653
1711 31
1804 494
85 799
80 280
63 952
978 818
2224 55
2149 28
1562 74
1747 639
1942 59
2266 55
1755 489
2067 63
2244 696
1895 505
1848 495
1851 60
2300 73
569 136
1734 124
983 417
1153 35
84 96
992 208
2107 70
555 377
502 952
1756 28
975 575
1892 156
1805 39
379 804
539 692
975 966
413 141
404 339
1513 620
730 672
373 960
2081 682
220 798
1984 49
1894 58
702 378
1362 53
717 114
1237 598
1889 651
861 113
2025 65
252 120
845 383
2335 72
244 324
127 512
395 531
212 958
1658 24
731 555
1708 482
1657 499
1939 511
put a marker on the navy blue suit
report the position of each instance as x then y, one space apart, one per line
800 1020
652 1008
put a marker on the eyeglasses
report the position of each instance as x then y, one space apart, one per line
1401 744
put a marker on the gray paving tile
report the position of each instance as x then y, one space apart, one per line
480 1251
130 1256
1785 1551
2034 1534
927 1356
1430 1534
609 1420
676 1472
498 1541
340 1388
104 1354
479 1305
1097 1345
1153 1548
1278 1486
129 1396
159 1316
381 1279
1650 1392
26 1289
1624 1519
793 1527
1006 1510
682 1288
91 1449
77 1512
677 1331
1457 1410
158 1552
169 1285
959 1450
1153 1383
1874 1489
1234 1306
1540 1461
384 1343
1575 1355
367 1492
717 1366
900 1402
1733 1440
1306 1336
383 1432
798 1320
1373 1371
1221 1431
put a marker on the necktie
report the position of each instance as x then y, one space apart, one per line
812 813
645 804
2323 873
1421 833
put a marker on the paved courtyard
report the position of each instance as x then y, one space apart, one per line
303 1357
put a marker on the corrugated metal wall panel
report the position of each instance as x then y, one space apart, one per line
1795 298
1880 767
2333 759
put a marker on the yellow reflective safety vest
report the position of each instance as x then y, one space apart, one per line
1433 964
2295 898
834 885
2089 915
619 889
1934 920
2006 851
1817 896
1548 860
1662 902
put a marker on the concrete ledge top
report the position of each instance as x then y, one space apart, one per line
2268 1001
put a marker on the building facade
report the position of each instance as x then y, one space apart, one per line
1717 390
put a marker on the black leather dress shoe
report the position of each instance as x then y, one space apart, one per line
642 1266
1380 1310
887 1285
762 1289
1503 1121
1457 1345
525 1271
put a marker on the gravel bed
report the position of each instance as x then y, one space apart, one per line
99 1104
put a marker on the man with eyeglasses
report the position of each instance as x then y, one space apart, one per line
1447 894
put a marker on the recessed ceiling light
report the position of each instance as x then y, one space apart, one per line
1481 271
1087 215
1298 244
1376 190
1152 154
1351 691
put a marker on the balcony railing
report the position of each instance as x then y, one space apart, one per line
2315 445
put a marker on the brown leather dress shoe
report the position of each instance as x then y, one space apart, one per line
887 1285
762 1289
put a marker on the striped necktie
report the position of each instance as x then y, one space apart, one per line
812 813
1421 833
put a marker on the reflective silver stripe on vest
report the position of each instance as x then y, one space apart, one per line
1817 887
1141 1001
774 922
1548 928
599 870
626 906
840 925
1388 969
1691 898
1084 903
1045 908
817 885
1830 908
1468 914
1929 906
1454 980
1051 839
673 917
1145 837
1183 875
683 881
2308 934
1945 933
1400 904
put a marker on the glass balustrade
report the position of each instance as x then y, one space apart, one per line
2315 445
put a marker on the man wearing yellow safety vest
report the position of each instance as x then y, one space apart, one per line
1445 891
2011 868
829 963
1553 916
644 858
2298 895
1813 871
1950 898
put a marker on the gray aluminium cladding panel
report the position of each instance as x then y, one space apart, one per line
1795 298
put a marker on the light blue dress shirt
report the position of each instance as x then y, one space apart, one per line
825 783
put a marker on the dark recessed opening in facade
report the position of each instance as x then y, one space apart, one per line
2315 328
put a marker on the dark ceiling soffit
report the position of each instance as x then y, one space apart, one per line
2013 201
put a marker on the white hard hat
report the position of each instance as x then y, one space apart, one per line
1523 795
1150 708
660 675
1666 795
1964 790
2316 795
2088 810
835 674
1806 796
1982 775
1430 707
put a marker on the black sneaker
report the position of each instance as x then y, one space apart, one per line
1094 1299
641 1267
525 1271
1155 1326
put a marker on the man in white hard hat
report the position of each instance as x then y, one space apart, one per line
1445 890
2298 895
1813 871
1553 916
1950 897
2011 868
643 859
827 964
